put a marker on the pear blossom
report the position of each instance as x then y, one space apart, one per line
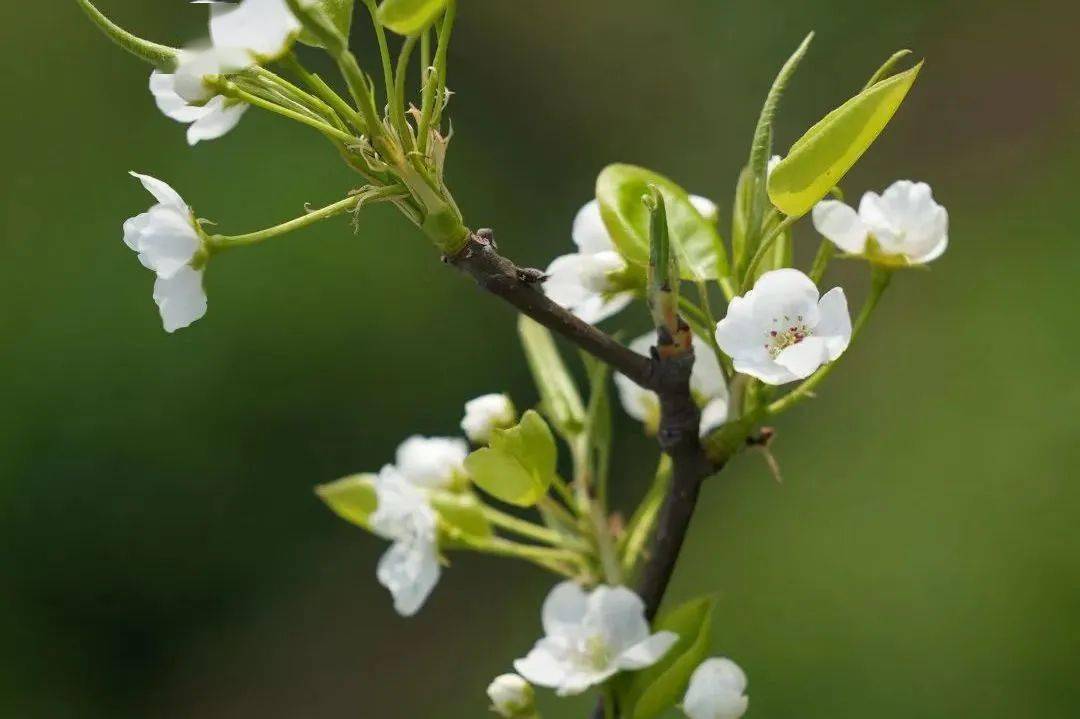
511 696
781 330
486 414
905 223
168 242
410 568
706 384
590 637
184 96
717 691
265 28
581 281
432 462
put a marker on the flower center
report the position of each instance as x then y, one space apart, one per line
785 332
594 653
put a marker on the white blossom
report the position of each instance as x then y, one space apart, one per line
717 691
184 96
706 384
590 637
167 241
265 28
903 222
485 414
781 331
511 696
410 568
432 462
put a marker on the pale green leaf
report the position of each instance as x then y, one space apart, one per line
651 691
822 156
352 498
696 242
409 17
161 56
560 400
519 465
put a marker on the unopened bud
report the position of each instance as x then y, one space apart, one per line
511 697
485 414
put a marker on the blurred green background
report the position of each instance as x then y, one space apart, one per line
162 553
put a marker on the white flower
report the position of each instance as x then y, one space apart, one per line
905 223
432 462
265 28
781 331
511 696
716 691
706 384
590 637
167 241
184 97
581 282
487 413
410 568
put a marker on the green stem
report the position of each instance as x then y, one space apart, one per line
879 283
399 91
641 524
523 527
427 111
825 252
224 242
560 561
384 51
230 89
763 250
324 91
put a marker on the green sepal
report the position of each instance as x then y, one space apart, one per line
352 498
409 17
340 14
649 692
162 57
695 241
560 400
820 158
461 513
519 465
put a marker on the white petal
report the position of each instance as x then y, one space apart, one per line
764 368
511 696
804 358
180 298
834 324
840 224
589 233
161 191
566 286
403 510
716 691
197 64
619 615
410 570
163 88
485 414
647 652
738 333
782 295
706 208
581 678
707 378
134 229
564 609
431 462
713 415
937 251
640 403
541 666
266 28
597 309
168 241
218 118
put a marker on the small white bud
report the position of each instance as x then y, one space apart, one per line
717 691
485 414
511 696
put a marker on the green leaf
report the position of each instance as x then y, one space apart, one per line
352 498
653 690
828 150
519 465
161 56
695 240
340 14
559 397
409 17
740 215
463 512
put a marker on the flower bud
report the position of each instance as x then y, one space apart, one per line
487 413
511 697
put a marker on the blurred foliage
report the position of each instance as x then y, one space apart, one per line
162 552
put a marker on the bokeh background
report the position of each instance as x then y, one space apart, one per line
162 553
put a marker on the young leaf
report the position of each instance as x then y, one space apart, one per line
519 466
559 397
695 240
161 56
340 13
651 691
828 150
409 17
740 215
463 513
352 498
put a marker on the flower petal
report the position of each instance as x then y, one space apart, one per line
410 570
716 691
713 415
180 298
564 609
266 28
162 87
706 208
834 325
647 652
783 295
218 118
541 667
168 241
763 368
804 358
840 224
431 462
161 191
589 233
619 615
